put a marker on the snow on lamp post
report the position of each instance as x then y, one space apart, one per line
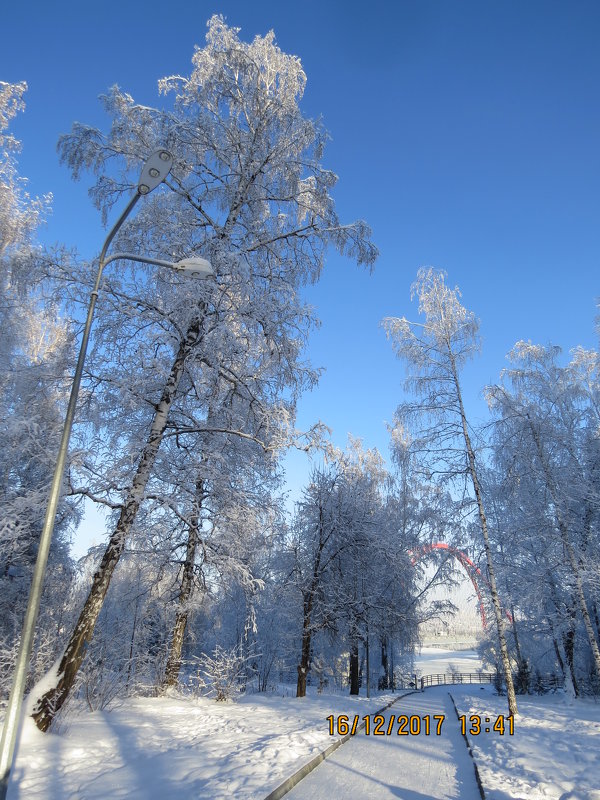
155 170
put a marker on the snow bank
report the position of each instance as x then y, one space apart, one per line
554 752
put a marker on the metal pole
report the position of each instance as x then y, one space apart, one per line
13 711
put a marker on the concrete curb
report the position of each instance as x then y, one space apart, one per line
289 784
469 748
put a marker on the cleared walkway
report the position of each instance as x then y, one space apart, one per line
410 767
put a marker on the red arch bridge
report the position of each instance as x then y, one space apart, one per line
474 573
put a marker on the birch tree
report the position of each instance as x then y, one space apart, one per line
435 351
248 192
547 409
531 570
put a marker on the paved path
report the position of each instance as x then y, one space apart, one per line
414 767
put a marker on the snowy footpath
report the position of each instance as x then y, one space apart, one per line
428 765
181 748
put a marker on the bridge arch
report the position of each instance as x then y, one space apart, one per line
473 571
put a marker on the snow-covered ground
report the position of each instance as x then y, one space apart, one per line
184 748
554 752
180 748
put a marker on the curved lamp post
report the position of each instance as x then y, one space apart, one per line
155 170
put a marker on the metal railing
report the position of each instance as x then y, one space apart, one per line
538 684
456 677
541 684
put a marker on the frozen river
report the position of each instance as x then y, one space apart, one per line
437 661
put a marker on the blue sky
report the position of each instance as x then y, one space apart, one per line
466 133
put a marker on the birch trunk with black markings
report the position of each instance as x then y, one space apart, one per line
508 679
50 703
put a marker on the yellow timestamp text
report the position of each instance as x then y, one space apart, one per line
378 725
475 724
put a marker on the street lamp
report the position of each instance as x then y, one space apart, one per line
155 170
189 266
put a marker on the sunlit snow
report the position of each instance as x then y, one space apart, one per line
155 748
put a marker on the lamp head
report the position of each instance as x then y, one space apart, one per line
195 266
155 170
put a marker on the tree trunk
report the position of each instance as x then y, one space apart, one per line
368 670
514 627
559 658
132 643
187 582
510 689
384 682
48 705
304 664
569 648
596 619
354 666
302 674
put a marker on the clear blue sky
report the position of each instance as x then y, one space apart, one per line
466 133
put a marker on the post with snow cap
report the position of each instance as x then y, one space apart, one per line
155 170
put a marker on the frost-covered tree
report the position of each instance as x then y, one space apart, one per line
128 652
19 213
548 448
317 537
349 564
372 571
435 352
34 352
220 496
248 192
